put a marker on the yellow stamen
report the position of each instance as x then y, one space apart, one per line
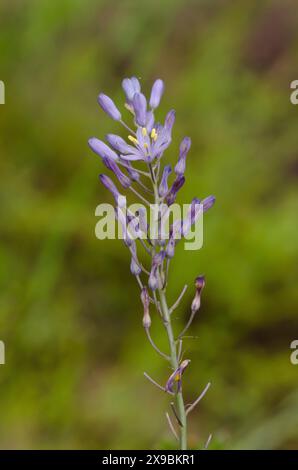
133 139
153 134
177 378
145 145
144 131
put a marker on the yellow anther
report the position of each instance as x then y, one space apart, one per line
145 145
153 134
133 139
144 131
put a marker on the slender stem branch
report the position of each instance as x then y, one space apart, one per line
144 187
194 404
141 172
208 441
180 343
157 384
171 426
192 315
144 245
139 196
175 305
156 347
127 127
175 413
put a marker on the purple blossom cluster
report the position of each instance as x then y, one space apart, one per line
134 161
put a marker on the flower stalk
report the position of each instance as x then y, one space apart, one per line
146 145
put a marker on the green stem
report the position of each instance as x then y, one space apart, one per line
173 349
174 363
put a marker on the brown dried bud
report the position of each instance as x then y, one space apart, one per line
196 303
146 301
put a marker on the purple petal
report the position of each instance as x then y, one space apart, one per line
119 144
132 157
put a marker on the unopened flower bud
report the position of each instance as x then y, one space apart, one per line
130 87
135 266
109 107
140 108
208 203
170 249
184 148
153 278
196 303
156 93
102 149
163 187
178 183
146 302
170 119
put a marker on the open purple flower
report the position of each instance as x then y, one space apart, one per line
176 377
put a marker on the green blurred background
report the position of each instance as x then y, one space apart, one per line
70 310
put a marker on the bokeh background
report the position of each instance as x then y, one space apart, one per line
70 310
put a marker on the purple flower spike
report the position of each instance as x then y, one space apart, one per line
109 107
130 87
101 149
176 377
156 93
178 183
140 108
208 203
184 148
163 187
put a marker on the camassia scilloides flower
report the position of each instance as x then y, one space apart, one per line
137 164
